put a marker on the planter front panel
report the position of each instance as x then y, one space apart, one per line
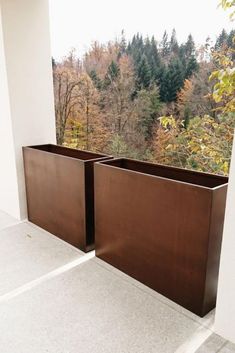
60 192
158 231
56 194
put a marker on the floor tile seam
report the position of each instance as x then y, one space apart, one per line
222 346
44 278
194 342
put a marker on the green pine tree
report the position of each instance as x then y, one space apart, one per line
173 80
97 81
165 45
149 105
122 45
191 67
173 45
221 40
144 73
189 48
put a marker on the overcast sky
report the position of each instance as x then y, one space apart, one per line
77 23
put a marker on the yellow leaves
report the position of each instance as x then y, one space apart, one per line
205 144
214 75
74 124
167 122
184 96
224 88
227 5
225 167
194 147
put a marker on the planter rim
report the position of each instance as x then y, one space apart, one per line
96 156
108 163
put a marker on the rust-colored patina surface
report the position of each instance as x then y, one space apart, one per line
60 192
162 226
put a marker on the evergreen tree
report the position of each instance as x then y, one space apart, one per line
147 48
173 80
153 66
140 42
144 73
112 73
96 80
231 43
191 67
173 45
225 40
113 70
221 40
153 58
163 84
136 49
230 39
122 45
181 55
165 45
188 58
148 105
189 48
155 51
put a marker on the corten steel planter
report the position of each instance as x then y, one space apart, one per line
60 192
162 226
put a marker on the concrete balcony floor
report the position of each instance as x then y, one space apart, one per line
56 299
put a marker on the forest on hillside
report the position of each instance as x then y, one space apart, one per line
160 101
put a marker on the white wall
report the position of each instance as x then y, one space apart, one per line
27 114
225 310
9 197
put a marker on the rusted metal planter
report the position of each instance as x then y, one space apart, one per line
60 192
162 226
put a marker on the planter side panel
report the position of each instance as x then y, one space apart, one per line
156 230
214 247
55 187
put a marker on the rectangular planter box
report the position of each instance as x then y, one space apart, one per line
60 192
163 226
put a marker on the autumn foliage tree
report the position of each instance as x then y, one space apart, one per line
204 145
66 97
224 88
110 100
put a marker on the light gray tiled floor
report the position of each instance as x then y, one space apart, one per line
6 220
89 304
213 344
90 308
28 252
228 348
207 321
